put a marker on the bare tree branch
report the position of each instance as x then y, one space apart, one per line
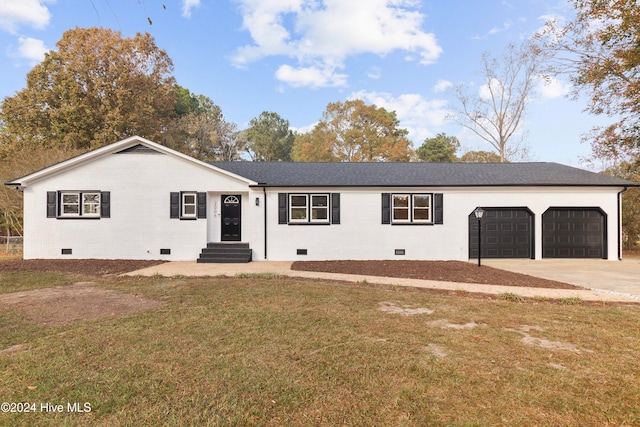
495 111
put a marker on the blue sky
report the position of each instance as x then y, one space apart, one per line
295 56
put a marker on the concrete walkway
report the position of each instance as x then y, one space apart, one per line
191 268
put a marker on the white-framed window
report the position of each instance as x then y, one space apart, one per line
411 208
79 204
298 207
189 205
422 208
309 208
319 208
400 204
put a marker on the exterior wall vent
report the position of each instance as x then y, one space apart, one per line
165 251
67 251
301 252
400 251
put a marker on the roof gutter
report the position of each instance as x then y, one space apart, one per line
16 185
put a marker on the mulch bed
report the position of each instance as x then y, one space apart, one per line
86 267
447 271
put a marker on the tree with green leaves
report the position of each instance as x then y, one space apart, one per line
352 131
480 157
269 138
96 87
441 148
600 53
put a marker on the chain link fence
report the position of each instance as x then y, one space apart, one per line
11 244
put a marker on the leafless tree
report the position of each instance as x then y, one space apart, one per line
494 111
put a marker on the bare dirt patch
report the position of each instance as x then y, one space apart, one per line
81 301
14 349
445 324
436 350
391 308
86 267
544 343
447 271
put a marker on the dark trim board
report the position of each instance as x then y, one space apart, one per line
507 232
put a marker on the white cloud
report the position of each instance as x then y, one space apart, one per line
187 5
495 30
491 90
552 27
505 27
310 76
31 49
328 31
442 86
551 88
375 73
17 13
418 115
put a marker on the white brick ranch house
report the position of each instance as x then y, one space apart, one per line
136 199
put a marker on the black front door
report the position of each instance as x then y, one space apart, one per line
231 218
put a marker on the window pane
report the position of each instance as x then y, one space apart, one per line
401 214
298 213
70 209
400 201
421 201
189 199
90 209
189 210
70 198
319 213
91 198
319 201
421 214
299 201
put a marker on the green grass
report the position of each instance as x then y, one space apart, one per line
271 351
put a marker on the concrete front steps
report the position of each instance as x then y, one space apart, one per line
223 253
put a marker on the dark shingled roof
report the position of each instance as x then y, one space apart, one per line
301 174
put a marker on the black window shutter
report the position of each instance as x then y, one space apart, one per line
386 208
202 205
282 208
438 211
335 208
105 204
52 198
175 205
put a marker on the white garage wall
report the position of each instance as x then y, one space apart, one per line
361 235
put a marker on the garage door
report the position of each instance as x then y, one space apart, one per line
506 233
574 233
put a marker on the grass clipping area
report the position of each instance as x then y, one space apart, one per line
274 351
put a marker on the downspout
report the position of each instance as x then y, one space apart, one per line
264 192
620 223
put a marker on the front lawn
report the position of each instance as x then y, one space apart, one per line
274 351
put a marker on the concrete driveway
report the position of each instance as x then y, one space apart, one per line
614 277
